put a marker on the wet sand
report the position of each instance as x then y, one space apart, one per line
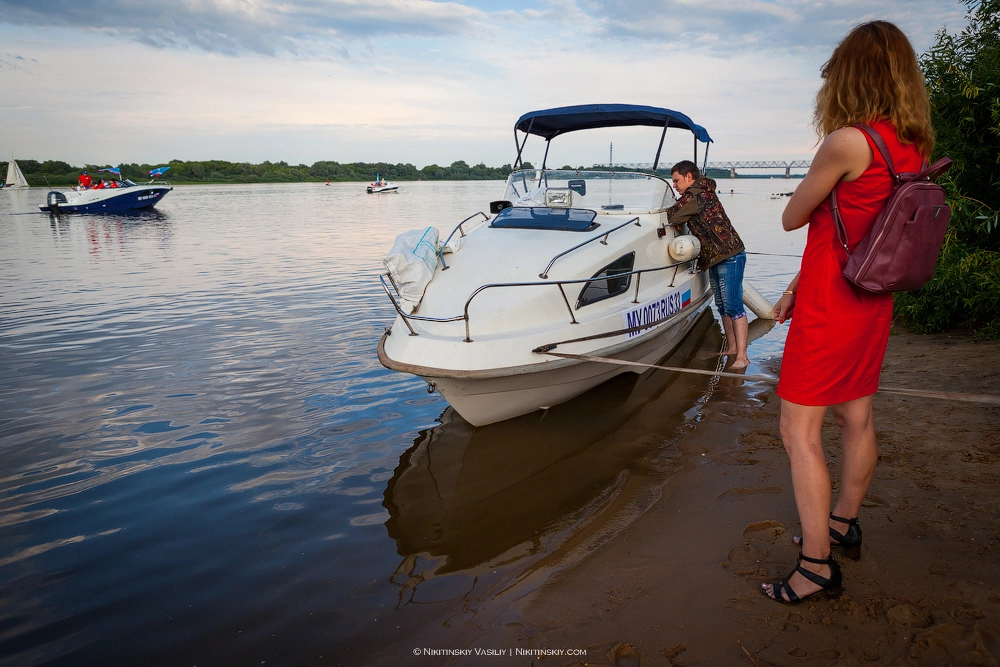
680 585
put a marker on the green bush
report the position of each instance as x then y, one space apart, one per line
963 79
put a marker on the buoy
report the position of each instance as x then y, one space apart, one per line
756 302
684 248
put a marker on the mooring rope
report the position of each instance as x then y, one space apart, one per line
770 379
770 254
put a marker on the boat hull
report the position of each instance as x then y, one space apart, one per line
384 188
483 398
114 200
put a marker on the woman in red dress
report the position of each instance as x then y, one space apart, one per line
838 335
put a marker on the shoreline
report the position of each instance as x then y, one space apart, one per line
679 585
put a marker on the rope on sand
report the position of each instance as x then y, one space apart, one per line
987 399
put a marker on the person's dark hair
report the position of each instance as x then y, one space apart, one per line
685 167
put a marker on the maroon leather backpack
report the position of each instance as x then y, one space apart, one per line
900 250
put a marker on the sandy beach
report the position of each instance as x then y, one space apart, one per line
680 585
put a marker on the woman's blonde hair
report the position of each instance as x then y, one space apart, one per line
873 75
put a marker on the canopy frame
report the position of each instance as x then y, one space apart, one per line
550 123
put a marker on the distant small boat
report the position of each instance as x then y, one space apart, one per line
15 179
381 186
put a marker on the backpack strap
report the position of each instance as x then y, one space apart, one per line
935 170
835 209
882 148
838 222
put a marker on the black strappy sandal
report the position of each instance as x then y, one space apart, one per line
850 541
832 586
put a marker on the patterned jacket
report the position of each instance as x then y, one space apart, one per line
701 209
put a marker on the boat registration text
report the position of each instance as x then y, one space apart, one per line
651 313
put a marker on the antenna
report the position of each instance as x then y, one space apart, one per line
611 153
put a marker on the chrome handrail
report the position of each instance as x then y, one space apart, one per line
545 274
458 227
559 283
412 317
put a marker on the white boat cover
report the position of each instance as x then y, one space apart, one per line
411 264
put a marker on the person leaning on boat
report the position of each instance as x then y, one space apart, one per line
722 252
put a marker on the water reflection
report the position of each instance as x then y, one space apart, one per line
463 498
196 436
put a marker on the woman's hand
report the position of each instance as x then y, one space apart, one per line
783 309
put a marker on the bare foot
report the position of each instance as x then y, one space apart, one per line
740 363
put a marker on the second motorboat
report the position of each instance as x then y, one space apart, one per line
579 262
115 196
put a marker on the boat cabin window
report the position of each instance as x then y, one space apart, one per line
611 282
559 219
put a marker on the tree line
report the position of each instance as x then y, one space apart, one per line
57 172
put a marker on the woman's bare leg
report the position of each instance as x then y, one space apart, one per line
860 454
801 432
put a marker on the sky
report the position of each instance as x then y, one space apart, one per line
418 81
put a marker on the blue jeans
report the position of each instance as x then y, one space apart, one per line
727 284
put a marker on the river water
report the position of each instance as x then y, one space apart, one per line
202 461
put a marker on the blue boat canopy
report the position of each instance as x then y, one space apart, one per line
549 123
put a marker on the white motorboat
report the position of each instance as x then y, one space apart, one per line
572 262
381 185
15 179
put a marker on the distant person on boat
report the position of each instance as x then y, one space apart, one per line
722 252
838 336
101 184
85 180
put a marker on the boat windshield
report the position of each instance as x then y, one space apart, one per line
604 191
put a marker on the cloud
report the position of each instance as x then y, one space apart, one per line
14 61
264 27
733 25
331 27
417 81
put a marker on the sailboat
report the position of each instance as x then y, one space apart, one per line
15 179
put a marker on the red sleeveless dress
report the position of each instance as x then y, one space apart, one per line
838 332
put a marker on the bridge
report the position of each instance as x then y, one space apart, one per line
731 166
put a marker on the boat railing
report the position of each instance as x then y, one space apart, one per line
458 228
548 283
604 241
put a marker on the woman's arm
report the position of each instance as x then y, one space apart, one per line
843 156
783 308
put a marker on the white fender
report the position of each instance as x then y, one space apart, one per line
684 248
756 302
